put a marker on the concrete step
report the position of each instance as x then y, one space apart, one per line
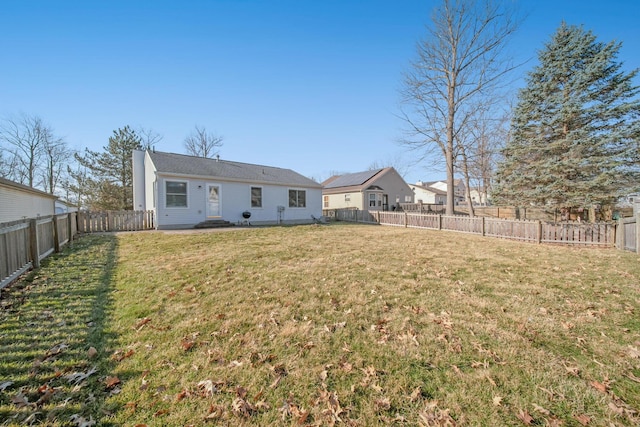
213 223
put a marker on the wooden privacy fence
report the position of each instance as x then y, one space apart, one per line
573 233
24 243
91 222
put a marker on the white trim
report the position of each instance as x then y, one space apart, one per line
289 200
251 187
166 180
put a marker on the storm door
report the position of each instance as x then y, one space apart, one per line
213 201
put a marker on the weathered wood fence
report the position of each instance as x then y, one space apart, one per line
629 234
91 222
24 243
571 233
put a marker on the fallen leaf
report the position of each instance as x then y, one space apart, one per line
242 408
183 394
141 323
81 421
415 394
540 409
207 388
602 387
78 377
5 385
161 412
497 400
187 344
383 404
582 419
111 381
215 412
525 417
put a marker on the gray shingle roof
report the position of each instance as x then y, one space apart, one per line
181 164
352 179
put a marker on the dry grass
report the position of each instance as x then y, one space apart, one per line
370 326
365 325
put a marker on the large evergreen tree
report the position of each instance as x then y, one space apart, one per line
111 184
575 129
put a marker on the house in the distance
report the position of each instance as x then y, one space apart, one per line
426 194
458 189
19 201
185 191
379 189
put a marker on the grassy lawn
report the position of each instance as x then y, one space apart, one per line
322 325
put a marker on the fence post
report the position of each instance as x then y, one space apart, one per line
69 228
539 232
33 243
620 234
483 227
439 221
56 234
406 220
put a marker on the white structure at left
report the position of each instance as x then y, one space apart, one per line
19 201
184 191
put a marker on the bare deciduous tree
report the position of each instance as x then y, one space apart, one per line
201 143
459 62
35 153
148 138
55 156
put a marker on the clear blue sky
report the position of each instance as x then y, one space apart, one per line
307 85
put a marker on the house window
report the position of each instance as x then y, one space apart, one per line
176 194
347 197
407 199
297 199
372 200
326 201
256 197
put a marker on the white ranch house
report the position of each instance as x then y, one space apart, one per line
184 191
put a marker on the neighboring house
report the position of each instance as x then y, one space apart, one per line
458 189
185 191
19 201
428 195
479 196
63 207
379 189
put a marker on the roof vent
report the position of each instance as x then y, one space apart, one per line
217 157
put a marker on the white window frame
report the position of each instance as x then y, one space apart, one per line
261 197
166 182
297 190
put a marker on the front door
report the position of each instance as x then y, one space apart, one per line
213 201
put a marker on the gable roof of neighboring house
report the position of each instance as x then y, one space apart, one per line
7 183
433 190
180 164
456 182
354 182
